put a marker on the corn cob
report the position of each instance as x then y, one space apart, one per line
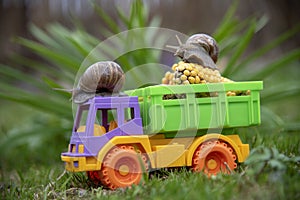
191 73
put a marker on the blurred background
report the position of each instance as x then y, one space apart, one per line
43 43
190 16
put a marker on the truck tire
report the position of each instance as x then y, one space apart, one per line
123 166
94 177
213 157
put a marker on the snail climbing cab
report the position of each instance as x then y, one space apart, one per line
162 132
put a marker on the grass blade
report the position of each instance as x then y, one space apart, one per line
281 62
243 44
43 37
41 102
281 92
226 23
17 75
51 55
266 48
106 18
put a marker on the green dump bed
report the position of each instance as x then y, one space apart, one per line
192 112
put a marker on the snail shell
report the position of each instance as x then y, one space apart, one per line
206 41
105 77
200 49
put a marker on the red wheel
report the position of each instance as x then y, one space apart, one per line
123 166
94 177
214 157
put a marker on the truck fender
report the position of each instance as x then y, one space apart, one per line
142 140
233 141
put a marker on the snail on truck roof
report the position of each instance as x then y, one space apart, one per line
106 77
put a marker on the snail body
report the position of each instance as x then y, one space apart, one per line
104 78
201 49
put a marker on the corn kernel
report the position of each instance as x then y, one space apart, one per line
174 67
197 79
186 72
191 80
193 73
186 82
201 74
183 77
180 68
189 67
165 81
177 80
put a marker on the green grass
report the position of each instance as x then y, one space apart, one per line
277 179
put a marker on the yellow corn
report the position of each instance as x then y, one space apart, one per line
191 73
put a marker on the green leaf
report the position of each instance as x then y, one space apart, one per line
55 86
227 22
106 18
292 126
17 75
240 48
16 139
43 37
276 164
273 66
122 16
266 48
51 55
138 12
271 117
259 154
41 102
285 94
261 23
61 35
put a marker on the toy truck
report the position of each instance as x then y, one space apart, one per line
118 139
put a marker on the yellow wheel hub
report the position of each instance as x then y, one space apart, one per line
123 170
211 164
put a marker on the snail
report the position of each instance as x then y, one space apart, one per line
105 77
201 49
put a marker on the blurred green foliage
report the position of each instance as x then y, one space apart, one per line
269 160
62 51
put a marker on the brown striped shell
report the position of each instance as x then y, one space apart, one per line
206 41
201 49
101 77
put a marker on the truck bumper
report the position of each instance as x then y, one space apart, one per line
80 164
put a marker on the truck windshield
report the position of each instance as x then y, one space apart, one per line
81 118
103 120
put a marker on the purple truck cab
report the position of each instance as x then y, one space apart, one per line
99 120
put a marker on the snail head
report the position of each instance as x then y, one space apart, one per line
207 42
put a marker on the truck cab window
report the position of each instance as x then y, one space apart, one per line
129 114
99 117
81 119
106 118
